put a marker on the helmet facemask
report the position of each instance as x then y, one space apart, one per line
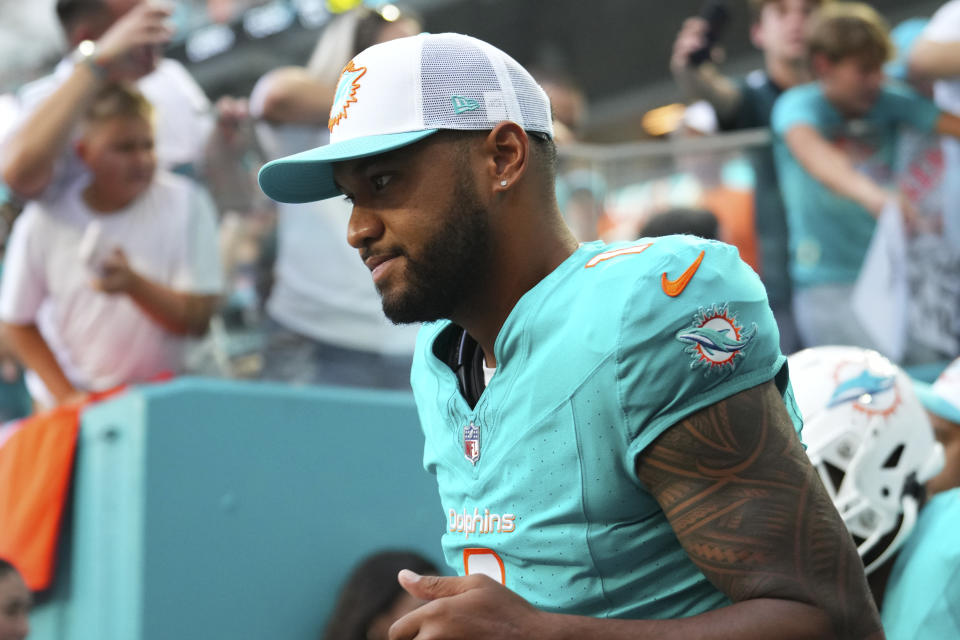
870 440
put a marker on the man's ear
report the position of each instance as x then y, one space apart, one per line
507 148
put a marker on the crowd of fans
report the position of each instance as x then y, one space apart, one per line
116 264
849 143
846 139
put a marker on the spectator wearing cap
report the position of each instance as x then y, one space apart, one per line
922 598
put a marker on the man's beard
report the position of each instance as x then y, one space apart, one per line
450 265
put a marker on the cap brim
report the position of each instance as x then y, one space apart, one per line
933 403
308 176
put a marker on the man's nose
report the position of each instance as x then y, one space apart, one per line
364 227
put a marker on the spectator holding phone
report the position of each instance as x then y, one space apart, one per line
101 284
777 28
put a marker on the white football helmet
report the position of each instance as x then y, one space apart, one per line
870 440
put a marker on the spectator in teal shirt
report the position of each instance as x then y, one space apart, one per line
834 149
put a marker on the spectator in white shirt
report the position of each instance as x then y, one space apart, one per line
325 320
112 40
102 283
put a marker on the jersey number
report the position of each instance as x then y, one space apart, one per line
486 562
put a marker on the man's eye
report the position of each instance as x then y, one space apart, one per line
380 182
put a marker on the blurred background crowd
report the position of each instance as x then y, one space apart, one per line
818 137
671 131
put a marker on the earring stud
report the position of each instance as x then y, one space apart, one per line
503 183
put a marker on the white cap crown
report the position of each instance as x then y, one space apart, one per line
435 81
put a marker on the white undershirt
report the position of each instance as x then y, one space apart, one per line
487 373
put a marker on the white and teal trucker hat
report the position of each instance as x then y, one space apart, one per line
398 92
943 396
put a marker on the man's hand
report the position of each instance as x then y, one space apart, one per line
73 397
692 38
702 82
232 113
468 607
130 49
116 276
912 218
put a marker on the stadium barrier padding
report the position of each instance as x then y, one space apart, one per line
215 509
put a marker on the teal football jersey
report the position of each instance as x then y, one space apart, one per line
537 481
922 599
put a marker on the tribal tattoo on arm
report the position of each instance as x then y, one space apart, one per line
752 513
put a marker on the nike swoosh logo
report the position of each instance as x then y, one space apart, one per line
673 288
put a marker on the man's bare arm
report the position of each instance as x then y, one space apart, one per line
292 95
34 352
179 312
929 59
748 508
701 82
752 513
948 124
830 166
30 154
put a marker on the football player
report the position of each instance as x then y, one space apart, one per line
611 427
869 437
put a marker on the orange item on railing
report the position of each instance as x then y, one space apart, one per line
36 462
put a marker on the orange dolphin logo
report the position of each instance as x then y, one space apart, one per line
346 93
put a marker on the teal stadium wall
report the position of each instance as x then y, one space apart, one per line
207 509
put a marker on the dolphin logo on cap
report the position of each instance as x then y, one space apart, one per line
346 93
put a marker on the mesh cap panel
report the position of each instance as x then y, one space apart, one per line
467 84
536 114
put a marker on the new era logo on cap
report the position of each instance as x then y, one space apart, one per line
461 104
398 92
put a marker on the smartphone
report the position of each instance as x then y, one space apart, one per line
92 247
717 15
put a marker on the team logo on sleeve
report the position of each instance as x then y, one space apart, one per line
346 93
471 442
714 339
